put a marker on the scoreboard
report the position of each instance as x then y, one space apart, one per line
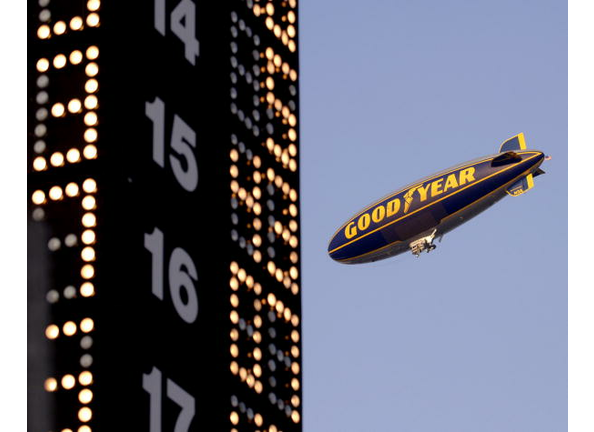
164 229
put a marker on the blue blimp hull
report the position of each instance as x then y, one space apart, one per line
410 218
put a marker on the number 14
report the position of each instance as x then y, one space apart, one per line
183 25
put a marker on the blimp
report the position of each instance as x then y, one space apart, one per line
411 218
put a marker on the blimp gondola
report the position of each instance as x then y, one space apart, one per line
411 218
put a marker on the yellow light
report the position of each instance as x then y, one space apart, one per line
85 414
234 317
270 9
56 193
76 57
257 370
93 5
84 428
69 328
85 378
90 185
271 299
71 189
234 350
93 20
287 314
295 320
269 23
85 396
294 272
234 171
293 75
59 61
87 325
295 351
293 165
279 304
87 289
295 416
279 275
257 337
88 254
258 321
257 240
91 135
50 385
257 354
270 81
271 268
91 118
74 106
291 16
59 27
234 368
292 46
295 384
295 368
257 256
90 151
234 417
91 86
76 23
270 97
58 110
52 331
92 52
277 30
88 202
88 237
91 102
38 197
269 53
258 418
272 428
42 65
258 387
294 288
234 334
234 300
57 159
68 381
92 69
295 336
291 31
234 284
87 271
39 164
73 155
43 32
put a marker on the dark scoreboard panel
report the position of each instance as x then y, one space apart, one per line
164 265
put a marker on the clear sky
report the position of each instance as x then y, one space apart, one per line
473 336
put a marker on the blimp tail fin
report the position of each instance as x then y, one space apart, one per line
521 186
517 142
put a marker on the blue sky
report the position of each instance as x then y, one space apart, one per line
474 335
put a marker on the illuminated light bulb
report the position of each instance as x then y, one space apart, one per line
270 82
87 271
258 321
87 325
270 174
269 23
75 57
88 202
284 37
293 150
234 186
74 106
38 197
293 165
270 97
292 134
272 428
257 256
69 328
291 16
293 75
257 10
50 385
257 240
277 30
234 317
234 154
234 284
279 275
292 120
270 9
277 150
92 52
85 396
58 110
39 164
285 112
258 288
269 53
59 27
73 155
294 272
56 193
234 267
295 401
44 32
89 220
257 161
291 31
85 414
68 381
91 86
295 417
279 304
278 227
295 351
257 370
42 65
234 171
91 118
85 378
76 23
59 61
93 20
57 159
270 67
87 289
257 354
84 428
234 300
293 210
258 387
277 60
234 334
71 189
286 68
294 288
271 299
88 237
91 102
287 314
90 185
241 274
257 335
295 384
52 331
234 367
90 152
258 417
295 320
295 336
278 105
234 350
250 380
292 46
295 368
234 417
269 144
93 5
88 254
242 194
257 208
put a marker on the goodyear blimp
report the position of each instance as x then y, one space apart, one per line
412 217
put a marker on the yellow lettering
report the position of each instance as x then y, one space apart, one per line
378 214
350 231
466 176
436 187
408 198
393 207
363 222
451 182
423 191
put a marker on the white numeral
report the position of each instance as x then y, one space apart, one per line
183 141
182 274
152 383
183 25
